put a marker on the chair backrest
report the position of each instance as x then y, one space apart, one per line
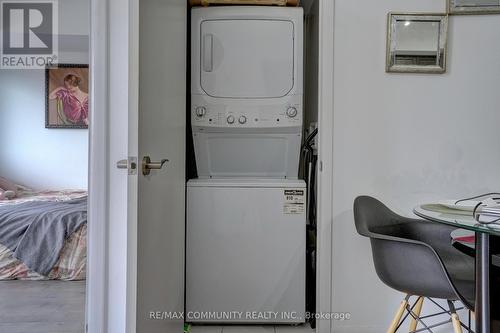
371 214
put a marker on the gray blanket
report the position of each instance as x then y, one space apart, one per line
36 231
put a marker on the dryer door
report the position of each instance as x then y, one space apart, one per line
247 58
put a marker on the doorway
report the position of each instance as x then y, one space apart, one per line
44 172
112 143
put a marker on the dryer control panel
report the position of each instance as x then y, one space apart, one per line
242 114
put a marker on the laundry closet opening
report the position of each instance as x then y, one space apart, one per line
251 165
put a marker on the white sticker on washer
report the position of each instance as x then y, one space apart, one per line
294 202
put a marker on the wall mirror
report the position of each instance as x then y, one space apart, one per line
473 6
416 43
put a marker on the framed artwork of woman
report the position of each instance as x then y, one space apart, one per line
67 99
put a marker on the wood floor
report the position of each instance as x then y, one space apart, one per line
42 306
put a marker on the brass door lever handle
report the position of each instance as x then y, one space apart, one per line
147 165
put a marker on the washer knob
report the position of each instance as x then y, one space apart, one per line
200 111
242 120
291 112
230 119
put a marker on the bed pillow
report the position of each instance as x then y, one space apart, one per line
8 190
7 195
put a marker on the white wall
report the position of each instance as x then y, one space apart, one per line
405 138
30 154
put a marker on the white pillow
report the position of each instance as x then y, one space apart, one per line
8 190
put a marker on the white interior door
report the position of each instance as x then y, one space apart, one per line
161 135
161 194
147 112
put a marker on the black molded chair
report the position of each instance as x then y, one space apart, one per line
417 258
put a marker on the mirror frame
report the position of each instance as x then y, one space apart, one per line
457 10
443 41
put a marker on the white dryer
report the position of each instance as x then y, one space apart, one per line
246 91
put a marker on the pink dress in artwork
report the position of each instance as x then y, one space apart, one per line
74 110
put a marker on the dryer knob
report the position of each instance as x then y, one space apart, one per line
291 112
230 119
200 111
242 120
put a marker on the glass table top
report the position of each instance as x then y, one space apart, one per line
454 217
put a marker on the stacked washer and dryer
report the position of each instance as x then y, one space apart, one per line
246 219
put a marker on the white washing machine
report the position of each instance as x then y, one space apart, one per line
246 91
245 251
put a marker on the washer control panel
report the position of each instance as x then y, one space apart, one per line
246 116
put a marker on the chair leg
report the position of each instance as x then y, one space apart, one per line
399 314
457 327
417 310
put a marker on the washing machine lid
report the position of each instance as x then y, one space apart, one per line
247 183
247 58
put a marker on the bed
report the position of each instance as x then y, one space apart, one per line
71 262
